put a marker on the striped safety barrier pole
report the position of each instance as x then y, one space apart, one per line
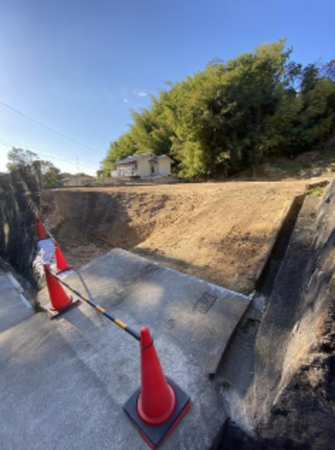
98 308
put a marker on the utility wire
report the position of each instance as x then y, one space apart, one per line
48 155
47 127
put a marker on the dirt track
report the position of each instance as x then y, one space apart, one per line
220 232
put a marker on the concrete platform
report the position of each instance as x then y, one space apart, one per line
14 307
68 379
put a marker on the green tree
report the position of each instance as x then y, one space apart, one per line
17 157
52 177
233 114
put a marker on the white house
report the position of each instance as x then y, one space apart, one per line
79 179
145 165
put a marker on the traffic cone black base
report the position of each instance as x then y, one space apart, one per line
53 313
154 435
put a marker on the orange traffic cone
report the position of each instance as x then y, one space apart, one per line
59 299
159 405
40 231
157 399
61 263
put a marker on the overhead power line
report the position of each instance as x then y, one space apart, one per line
48 154
47 127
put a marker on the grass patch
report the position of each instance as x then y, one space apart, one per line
290 166
226 384
315 192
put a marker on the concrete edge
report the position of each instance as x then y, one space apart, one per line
275 237
16 285
148 261
19 289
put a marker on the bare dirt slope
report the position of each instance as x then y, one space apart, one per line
220 232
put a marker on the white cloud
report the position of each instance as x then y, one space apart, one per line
140 94
125 100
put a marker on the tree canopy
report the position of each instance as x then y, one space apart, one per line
18 157
233 114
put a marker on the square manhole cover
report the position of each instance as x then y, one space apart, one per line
205 302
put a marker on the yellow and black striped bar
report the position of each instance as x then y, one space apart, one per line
101 310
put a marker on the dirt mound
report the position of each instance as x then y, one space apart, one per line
218 232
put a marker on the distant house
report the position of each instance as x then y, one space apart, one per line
79 179
145 165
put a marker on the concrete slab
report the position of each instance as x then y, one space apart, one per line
63 383
14 308
51 400
191 320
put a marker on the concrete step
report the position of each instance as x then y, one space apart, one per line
65 381
14 307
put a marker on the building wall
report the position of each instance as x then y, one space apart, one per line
164 166
144 167
78 181
126 170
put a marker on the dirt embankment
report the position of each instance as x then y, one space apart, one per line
218 232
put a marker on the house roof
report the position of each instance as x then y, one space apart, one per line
133 158
157 158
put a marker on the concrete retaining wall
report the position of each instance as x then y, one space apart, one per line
294 401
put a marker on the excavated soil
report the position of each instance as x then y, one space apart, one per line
220 232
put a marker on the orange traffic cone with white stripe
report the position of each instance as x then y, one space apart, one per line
160 404
40 230
61 263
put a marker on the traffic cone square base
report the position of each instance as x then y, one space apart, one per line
154 435
53 313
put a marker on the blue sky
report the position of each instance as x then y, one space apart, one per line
80 66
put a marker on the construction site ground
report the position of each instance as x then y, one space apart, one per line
80 369
219 232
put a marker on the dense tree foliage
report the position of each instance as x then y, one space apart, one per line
18 157
52 177
233 114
